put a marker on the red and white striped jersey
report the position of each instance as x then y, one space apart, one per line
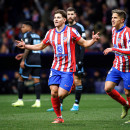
121 42
64 48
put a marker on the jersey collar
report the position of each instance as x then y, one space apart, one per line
61 30
121 28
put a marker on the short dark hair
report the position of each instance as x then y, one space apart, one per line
71 9
62 12
120 12
28 23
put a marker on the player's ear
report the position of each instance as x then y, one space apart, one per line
122 20
65 19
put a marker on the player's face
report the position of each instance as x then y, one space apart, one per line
59 20
24 28
116 20
71 15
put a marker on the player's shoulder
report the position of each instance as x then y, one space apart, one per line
34 35
127 28
50 30
26 35
72 29
81 26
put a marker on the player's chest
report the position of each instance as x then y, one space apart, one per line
61 39
118 39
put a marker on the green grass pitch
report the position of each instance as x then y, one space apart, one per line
97 112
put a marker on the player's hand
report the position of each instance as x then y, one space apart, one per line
19 56
95 37
106 51
20 44
22 65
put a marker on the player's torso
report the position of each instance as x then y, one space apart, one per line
64 49
121 62
33 59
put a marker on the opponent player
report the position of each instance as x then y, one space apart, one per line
121 64
79 53
30 64
63 40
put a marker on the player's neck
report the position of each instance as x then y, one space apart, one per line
74 22
59 29
120 26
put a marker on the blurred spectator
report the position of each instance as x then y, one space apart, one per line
44 12
36 19
14 83
104 42
26 14
5 84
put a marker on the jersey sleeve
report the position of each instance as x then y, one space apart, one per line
27 38
75 34
46 40
121 51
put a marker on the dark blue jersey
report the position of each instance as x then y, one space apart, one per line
33 58
79 50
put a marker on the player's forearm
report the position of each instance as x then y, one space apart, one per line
121 51
25 54
88 43
34 47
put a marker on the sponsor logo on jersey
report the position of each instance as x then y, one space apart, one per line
59 49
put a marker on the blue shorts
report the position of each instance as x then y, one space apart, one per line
62 79
116 76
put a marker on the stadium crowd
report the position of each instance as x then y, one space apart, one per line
93 15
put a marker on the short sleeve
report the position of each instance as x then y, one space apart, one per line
27 38
75 34
46 40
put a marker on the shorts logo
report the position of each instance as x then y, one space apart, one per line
59 49
66 85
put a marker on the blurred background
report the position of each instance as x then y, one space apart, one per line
92 14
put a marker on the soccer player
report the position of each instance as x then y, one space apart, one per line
63 40
30 64
121 64
79 53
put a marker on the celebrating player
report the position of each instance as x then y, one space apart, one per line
30 64
79 53
63 40
121 64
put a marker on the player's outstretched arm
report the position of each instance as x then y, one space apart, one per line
21 44
88 43
117 50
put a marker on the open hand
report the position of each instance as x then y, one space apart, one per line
20 44
95 37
